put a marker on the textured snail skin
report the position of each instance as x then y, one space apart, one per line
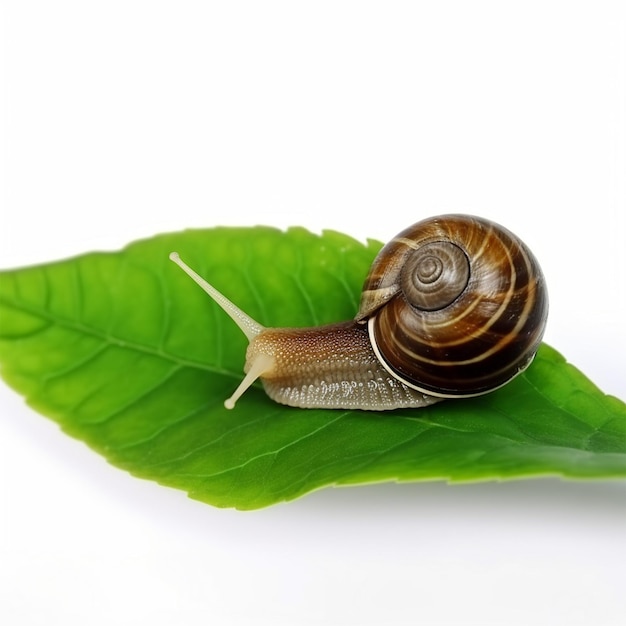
330 366
479 336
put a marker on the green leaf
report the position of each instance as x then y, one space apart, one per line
128 355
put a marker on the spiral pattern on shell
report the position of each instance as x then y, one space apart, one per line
456 305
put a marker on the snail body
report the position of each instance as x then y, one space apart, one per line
453 306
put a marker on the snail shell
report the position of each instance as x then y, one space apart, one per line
457 306
453 306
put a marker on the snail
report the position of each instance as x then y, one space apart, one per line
453 306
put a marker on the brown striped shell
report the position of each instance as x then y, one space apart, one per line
456 306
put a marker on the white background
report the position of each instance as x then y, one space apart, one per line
124 119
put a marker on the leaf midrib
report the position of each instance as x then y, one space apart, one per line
111 340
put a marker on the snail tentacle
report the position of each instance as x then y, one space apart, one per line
261 364
248 326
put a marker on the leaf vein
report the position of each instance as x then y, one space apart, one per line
111 339
269 453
